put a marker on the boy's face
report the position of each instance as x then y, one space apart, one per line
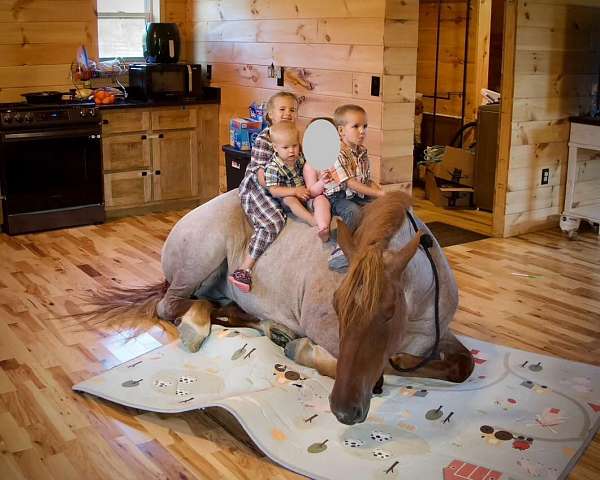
287 147
354 131
284 109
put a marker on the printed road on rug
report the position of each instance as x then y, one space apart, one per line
519 416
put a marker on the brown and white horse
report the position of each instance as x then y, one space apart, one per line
347 326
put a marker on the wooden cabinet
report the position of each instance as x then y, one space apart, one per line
160 157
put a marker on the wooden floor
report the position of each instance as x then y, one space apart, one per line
49 432
473 220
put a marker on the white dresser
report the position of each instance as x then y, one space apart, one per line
582 196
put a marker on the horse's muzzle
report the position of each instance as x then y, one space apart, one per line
351 415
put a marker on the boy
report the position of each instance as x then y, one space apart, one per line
351 186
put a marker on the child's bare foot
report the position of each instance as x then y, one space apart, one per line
242 279
324 234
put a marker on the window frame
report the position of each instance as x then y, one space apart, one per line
151 13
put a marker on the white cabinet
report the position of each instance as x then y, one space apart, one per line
582 197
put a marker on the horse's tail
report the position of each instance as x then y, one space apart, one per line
110 302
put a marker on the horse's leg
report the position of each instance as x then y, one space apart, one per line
177 299
195 325
455 363
306 353
177 303
236 317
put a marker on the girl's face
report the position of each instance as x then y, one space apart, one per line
284 109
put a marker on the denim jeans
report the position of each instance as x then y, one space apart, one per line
348 209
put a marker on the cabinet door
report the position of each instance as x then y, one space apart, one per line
175 163
126 152
120 121
174 118
208 162
127 189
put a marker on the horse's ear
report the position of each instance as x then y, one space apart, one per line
345 239
397 261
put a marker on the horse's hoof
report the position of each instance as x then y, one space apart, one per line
294 349
461 369
192 335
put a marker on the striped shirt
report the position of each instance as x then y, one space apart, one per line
351 163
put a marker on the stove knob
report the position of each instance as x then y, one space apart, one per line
28 118
18 117
7 118
92 112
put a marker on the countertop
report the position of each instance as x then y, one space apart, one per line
211 95
586 120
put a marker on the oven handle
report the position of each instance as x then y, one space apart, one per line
49 135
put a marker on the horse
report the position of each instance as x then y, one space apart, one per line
354 327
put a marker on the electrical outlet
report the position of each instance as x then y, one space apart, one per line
280 76
209 72
545 176
375 85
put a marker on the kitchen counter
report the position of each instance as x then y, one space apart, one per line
212 95
587 120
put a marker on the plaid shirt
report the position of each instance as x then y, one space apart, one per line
262 152
278 174
351 163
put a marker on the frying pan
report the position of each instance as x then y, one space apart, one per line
43 97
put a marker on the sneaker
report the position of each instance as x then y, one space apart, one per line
242 279
337 260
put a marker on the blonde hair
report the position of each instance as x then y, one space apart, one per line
339 116
281 130
271 103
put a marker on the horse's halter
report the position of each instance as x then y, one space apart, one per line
426 242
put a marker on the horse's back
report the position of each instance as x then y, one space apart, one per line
199 239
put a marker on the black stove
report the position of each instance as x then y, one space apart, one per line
50 166
23 115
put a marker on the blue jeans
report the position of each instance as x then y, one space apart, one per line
348 209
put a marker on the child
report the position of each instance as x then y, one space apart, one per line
351 186
264 212
284 177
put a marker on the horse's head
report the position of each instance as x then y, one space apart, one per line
371 311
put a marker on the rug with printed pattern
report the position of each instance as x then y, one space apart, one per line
519 416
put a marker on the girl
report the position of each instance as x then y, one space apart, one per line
263 211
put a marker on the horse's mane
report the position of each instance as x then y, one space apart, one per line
360 292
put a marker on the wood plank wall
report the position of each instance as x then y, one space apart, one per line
556 66
451 56
39 40
330 51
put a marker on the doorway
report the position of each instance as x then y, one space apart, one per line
456 135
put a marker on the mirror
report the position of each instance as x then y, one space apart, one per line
321 144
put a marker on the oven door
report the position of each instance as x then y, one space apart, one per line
45 170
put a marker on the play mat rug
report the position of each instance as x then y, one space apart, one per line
519 416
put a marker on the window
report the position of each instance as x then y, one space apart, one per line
121 26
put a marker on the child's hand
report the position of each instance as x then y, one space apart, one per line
302 193
325 176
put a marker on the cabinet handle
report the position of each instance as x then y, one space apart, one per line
104 122
161 135
144 174
144 137
157 172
